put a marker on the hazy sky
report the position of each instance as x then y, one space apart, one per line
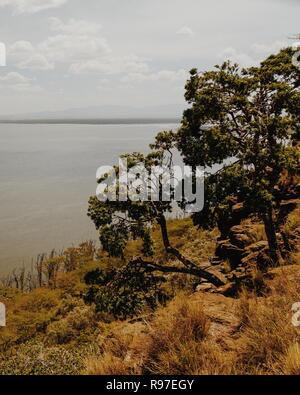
79 53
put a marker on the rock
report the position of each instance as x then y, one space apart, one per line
238 208
222 314
257 255
237 276
241 235
205 287
229 289
215 261
256 247
226 250
286 207
237 212
259 258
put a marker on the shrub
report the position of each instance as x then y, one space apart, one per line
35 359
77 322
125 292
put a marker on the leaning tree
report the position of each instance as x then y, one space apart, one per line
126 218
248 122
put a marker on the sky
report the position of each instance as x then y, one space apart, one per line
78 53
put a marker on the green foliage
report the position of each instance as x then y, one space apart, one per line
125 219
33 358
249 117
124 292
29 315
247 121
78 322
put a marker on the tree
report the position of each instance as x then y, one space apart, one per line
128 219
125 291
247 120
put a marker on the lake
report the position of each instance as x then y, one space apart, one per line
47 173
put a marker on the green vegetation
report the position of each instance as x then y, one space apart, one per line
207 294
251 115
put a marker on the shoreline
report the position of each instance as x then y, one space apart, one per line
92 121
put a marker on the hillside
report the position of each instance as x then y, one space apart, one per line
103 112
202 329
213 292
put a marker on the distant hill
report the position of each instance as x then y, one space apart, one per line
172 112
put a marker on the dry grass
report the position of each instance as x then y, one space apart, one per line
179 322
292 360
109 364
195 334
268 336
175 341
197 245
179 340
257 232
172 335
293 221
193 357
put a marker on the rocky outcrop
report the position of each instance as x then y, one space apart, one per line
234 248
237 212
286 207
230 252
242 248
243 235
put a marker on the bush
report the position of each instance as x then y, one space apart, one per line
78 321
35 359
125 292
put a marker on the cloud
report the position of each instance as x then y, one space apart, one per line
36 62
18 82
111 65
72 48
162 75
185 31
235 56
103 84
255 54
73 26
296 45
268 48
31 6
25 56
79 45
76 41
14 78
22 47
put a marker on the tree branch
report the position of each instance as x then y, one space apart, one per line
151 267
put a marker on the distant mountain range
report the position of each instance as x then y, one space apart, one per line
172 112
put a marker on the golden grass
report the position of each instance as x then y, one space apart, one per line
268 336
198 245
292 360
175 341
293 221
178 339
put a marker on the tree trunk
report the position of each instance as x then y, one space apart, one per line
201 273
272 237
192 268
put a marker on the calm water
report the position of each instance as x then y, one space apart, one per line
47 173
